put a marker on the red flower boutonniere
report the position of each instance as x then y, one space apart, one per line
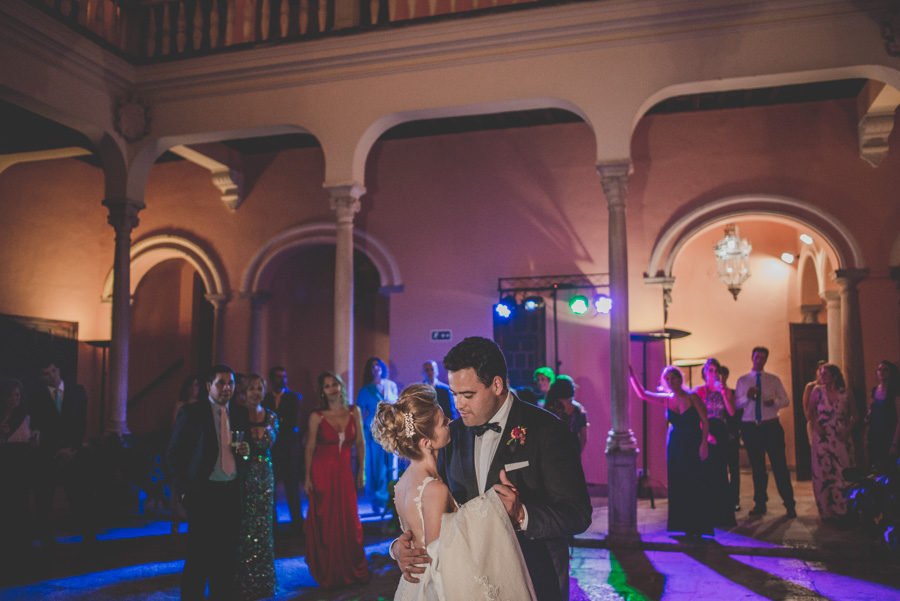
516 437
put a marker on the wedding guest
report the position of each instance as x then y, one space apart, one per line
188 394
733 450
561 402
444 396
255 575
287 453
378 464
807 391
17 466
59 410
334 534
719 402
883 435
687 447
762 395
204 464
542 379
832 413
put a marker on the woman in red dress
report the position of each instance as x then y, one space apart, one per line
334 534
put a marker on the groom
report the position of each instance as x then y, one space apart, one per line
527 455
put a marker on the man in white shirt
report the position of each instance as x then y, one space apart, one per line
204 466
761 395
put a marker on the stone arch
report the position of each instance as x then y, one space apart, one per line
846 250
149 252
376 129
881 73
319 233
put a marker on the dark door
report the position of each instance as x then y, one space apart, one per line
809 344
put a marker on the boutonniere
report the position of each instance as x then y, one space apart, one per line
516 437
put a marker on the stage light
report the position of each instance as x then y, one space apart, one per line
578 304
533 302
505 308
603 304
806 239
787 258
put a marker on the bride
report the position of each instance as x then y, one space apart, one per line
473 548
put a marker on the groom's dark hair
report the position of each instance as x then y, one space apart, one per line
481 354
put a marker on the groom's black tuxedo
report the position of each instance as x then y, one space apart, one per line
550 483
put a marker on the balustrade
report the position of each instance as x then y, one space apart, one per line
150 30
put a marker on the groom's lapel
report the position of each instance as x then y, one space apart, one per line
467 457
504 451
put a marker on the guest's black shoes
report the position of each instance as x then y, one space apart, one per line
759 510
791 512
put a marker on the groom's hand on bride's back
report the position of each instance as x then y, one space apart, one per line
408 556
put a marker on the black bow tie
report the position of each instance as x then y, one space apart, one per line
479 430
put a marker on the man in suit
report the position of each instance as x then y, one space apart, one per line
524 453
59 413
205 471
444 396
287 453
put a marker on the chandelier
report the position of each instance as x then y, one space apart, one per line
733 259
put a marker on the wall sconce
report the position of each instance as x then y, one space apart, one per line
733 259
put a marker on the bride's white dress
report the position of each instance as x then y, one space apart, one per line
476 556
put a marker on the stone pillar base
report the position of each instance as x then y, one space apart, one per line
622 470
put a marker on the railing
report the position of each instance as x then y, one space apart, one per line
165 375
154 30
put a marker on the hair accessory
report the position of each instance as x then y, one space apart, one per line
409 431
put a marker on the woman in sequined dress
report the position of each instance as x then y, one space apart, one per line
255 575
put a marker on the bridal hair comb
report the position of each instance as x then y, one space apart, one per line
409 431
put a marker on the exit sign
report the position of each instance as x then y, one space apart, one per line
440 335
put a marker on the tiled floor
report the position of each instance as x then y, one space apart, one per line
762 558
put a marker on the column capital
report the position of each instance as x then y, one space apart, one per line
257 299
217 300
849 278
831 297
810 313
123 213
345 200
614 179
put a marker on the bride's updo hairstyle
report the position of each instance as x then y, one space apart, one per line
399 427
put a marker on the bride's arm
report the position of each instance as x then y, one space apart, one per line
436 501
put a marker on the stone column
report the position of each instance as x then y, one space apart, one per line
218 301
621 446
832 300
123 216
345 203
254 352
854 366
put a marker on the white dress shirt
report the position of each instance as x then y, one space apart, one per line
772 388
486 444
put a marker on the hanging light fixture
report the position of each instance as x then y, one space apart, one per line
733 259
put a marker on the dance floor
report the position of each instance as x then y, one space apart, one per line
762 558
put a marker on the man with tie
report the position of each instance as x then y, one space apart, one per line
204 465
523 452
761 395
59 413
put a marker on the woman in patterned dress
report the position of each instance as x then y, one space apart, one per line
832 414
